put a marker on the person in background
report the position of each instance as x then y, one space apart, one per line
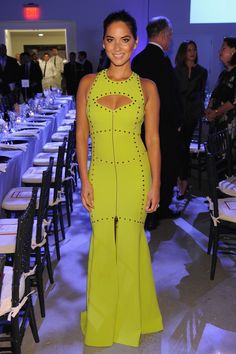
191 79
57 61
17 56
48 72
104 61
86 65
152 63
71 74
34 57
9 76
30 71
221 109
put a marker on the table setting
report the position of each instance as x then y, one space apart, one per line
24 134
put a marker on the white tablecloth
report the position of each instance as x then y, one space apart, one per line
21 160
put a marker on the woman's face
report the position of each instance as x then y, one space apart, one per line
226 53
191 53
119 43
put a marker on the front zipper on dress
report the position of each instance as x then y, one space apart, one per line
115 168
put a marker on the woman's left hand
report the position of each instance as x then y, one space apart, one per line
153 199
211 115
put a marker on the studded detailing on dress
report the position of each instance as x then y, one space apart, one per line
121 297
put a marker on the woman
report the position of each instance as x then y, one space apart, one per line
222 106
122 186
192 81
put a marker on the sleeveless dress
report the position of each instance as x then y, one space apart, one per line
121 296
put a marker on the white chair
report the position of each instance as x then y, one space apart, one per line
59 136
17 200
16 302
52 146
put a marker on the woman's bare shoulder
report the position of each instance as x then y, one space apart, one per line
85 84
87 80
147 84
149 88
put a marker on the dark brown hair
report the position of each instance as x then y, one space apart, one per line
122 16
231 42
180 58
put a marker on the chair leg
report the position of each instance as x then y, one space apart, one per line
211 233
199 173
40 287
61 221
48 262
16 341
71 195
55 230
214 254
75 184
66 190
32 321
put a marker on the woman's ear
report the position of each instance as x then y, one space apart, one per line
136 43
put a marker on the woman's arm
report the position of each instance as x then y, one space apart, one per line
216 112
152 109
213 114
82 135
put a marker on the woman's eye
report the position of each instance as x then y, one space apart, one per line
126 40
109 40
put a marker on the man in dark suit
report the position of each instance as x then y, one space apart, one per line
9 73
154 64
86 65
71 75
32 74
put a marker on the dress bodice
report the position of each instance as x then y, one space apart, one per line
116 132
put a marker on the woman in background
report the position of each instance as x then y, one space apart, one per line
222 105
192 82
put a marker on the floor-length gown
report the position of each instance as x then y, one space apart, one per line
121 295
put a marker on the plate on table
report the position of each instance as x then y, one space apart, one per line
48 113
4 159
37 121
54 108
15 142
27 128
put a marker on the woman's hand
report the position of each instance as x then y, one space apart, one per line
153 199
87 196
211 114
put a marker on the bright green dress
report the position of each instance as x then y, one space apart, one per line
121 295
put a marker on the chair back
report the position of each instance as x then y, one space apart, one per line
197 134
219 145
59 167
44 200
23 246
219 163
69 153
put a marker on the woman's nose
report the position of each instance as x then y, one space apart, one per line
117 45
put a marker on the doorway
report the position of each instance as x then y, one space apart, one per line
37 35
37 41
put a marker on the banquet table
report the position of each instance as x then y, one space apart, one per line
21 160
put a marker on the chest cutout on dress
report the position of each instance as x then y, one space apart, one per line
114 102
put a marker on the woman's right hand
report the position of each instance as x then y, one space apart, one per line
87 196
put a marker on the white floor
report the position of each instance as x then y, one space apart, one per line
199 315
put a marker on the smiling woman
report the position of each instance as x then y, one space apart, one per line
121 187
